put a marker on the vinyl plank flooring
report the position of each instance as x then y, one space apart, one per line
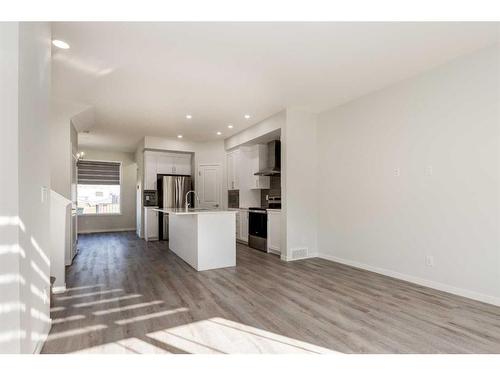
126 295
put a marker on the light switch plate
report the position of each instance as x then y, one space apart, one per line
43 192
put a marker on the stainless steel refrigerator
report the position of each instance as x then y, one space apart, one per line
172 194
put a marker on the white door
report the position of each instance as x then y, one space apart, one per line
208 185
74 206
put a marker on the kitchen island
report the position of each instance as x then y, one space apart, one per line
203 238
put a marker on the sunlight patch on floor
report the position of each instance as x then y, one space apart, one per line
101 301
84 287
128 307
90 294
131 345
70 318
158 314
218 335
76 332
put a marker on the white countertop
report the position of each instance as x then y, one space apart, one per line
192 211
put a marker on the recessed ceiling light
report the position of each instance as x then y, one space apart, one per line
179 136
60 44
247 116
189 117
219 133
230 126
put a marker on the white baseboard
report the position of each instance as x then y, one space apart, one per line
417 280
107 230
59 289
42 338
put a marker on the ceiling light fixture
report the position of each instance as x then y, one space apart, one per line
230 126
179 136
189 117
60 44
247 116
219 133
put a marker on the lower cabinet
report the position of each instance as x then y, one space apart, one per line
242 226
274 232
151 225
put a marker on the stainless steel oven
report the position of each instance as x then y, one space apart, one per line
257 228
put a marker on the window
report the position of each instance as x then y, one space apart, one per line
98 187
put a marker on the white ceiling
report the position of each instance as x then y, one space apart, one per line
143 78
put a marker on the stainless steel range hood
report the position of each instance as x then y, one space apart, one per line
273 160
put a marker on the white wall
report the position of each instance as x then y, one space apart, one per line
127 219
440 130
25 265
63 137
34 173
9 185
299 184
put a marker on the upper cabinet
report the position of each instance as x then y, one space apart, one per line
150 171
164 163
233 169
258 161
242 164
182 164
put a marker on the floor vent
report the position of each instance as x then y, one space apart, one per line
299 253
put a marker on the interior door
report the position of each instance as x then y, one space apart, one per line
209 185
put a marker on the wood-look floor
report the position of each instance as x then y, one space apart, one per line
130 296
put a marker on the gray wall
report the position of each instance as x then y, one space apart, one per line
127 219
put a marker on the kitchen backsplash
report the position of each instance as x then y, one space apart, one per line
274 191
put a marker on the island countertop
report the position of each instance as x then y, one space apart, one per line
192 211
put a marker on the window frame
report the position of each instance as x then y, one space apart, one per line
102 214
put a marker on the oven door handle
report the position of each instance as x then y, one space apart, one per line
258 212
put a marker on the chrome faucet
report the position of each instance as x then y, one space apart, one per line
195 195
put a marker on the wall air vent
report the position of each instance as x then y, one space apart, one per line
300 253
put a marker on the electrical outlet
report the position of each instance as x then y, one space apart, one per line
429 260
397 172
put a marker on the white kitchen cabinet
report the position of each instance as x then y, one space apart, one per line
166 163
150 170
233 169
274 231
244 226
151 224
257 161
238 228
182 164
